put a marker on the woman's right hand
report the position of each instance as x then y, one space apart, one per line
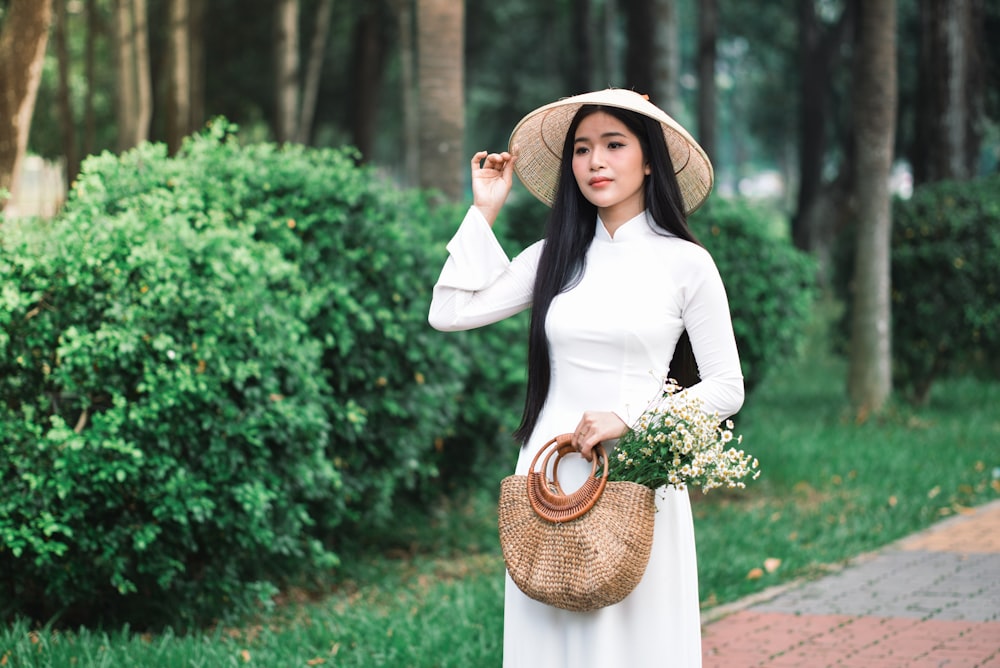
492 179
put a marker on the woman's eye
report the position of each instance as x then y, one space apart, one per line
580 150
615 144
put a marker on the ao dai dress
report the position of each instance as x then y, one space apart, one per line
611 338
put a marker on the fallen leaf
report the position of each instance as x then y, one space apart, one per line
934 492
315 662
245 655
755 574
772 564
893 501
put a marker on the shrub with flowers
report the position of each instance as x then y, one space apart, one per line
675 442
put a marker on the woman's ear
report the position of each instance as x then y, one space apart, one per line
647 169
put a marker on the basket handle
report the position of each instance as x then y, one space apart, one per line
546 496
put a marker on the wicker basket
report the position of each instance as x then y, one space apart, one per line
580 551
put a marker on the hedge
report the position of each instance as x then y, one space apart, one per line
215 368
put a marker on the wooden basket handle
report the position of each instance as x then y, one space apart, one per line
547 498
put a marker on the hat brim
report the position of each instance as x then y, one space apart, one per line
538 139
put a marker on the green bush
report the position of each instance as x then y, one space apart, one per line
769 282
946 283
215 367
160 406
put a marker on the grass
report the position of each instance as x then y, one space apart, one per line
429 591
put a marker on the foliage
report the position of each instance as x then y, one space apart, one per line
163 430
769 282
430 591
225 357
675 442
945 288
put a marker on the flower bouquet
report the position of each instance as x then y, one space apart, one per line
675 442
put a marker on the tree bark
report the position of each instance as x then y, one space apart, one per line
818 49
411 120
440 46
708 33
286 70
23 39
179 99
89 114
874 112
67 125
126 109
196 27
143 76
369 58
639 48
666 57
581 38
950 101
310 89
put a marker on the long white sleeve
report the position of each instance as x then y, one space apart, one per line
709 324
479 285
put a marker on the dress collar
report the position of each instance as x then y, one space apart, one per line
634 228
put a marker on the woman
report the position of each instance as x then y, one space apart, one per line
616 281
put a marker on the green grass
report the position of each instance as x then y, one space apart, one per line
429 590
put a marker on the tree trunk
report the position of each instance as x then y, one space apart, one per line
874 112
143 77
179 99
127 112
639 48
67 125
286 70
440 46
196 27
818 49
89 115
666 57
369 59
23 39
950 102
580 36
708 32
411 120
310 89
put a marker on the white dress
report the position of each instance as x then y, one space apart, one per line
611 338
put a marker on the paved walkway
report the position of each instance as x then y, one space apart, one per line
930 600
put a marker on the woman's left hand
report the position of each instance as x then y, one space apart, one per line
596 427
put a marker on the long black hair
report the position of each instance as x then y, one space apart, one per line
568 235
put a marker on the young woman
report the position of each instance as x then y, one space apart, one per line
617 280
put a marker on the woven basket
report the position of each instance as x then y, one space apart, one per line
580 551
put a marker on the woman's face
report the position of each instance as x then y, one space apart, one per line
610 168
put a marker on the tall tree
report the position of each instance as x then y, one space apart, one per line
640 23
874 114
286 69
23 38
408 77
708 35
666 57
196 26
820 46
127 110
369 58
440 47
314 67
90 73
179 52
950 100
67 125
143 77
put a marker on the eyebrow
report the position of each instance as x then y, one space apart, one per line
603 136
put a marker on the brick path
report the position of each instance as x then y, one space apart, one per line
930 600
